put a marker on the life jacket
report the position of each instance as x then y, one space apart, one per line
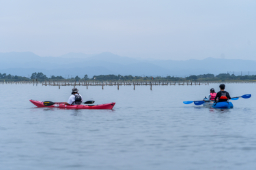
223 96
78 99
213 95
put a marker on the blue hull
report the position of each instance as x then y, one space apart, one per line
223 105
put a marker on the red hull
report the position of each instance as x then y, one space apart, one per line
63 106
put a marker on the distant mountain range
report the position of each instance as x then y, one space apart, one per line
72 64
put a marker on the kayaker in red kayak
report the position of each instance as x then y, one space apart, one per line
222 95
75 98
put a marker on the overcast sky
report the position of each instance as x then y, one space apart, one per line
164 29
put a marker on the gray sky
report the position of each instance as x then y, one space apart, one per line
164 29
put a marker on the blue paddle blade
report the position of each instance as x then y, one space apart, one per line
235 98
246 96
198 102
188 102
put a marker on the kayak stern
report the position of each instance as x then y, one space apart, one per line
223 105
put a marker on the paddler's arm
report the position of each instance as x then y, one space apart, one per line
228 96
207 99
215 100
70 100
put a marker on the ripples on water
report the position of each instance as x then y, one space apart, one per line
146 130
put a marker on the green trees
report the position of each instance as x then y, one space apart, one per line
223 76
39 76
204 77
77 78
57 77
106 77
192 77
86 77
10 77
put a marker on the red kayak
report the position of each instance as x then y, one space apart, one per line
64 106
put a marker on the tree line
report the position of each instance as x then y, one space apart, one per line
203 77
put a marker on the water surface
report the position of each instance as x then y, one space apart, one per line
146 130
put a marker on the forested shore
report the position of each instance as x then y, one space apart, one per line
203 77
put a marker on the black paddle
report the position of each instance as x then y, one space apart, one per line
89 102
50 103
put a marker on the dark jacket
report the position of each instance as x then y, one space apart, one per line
222 96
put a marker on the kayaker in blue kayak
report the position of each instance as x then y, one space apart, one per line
75 98
222 95
211 96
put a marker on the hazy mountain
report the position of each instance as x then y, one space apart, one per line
76 55
208 65
72 64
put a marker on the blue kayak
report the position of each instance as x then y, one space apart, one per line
223 105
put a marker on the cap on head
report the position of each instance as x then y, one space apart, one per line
212 90
222 86
74 90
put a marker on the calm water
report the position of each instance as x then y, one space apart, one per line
146 130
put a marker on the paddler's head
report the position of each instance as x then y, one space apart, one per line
222 87
74 90
212 90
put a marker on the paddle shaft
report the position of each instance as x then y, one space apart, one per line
50 103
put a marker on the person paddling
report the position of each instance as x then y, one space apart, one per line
222 95
75 98
211 96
